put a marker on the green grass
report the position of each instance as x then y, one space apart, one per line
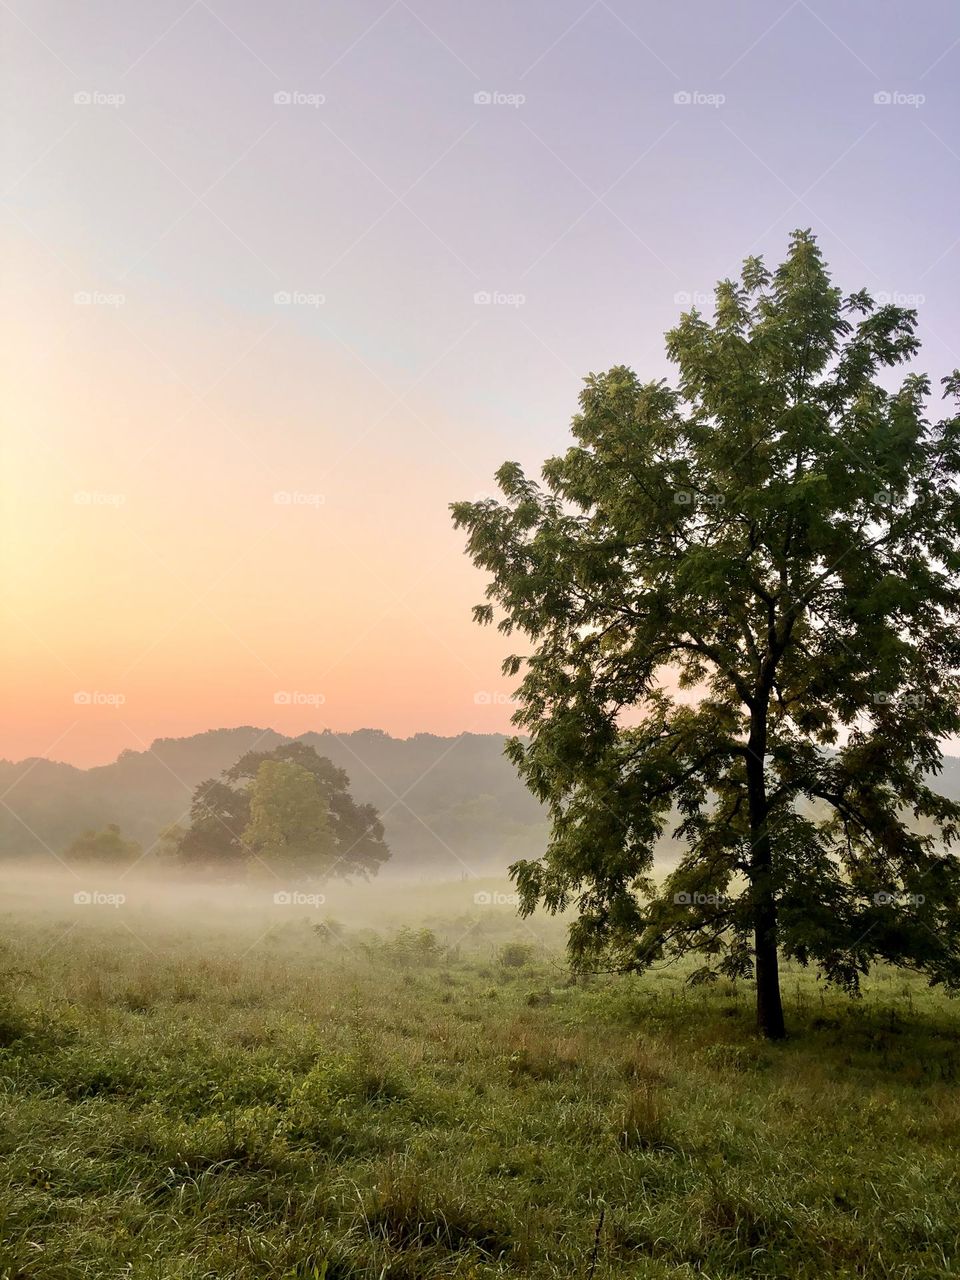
265 1098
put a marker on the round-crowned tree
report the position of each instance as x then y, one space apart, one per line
288 808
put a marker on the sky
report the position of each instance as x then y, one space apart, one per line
280 282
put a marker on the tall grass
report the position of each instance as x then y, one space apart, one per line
194 1102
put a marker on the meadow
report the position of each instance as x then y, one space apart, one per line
410 1085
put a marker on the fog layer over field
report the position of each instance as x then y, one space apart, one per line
141 901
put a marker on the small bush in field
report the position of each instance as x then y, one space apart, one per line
414 946
515 955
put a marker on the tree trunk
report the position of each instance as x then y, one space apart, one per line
769 1005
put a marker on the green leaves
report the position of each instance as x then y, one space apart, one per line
778 535
288 816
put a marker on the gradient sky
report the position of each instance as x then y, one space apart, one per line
146 561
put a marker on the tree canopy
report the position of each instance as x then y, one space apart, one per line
740 604
288 807
288 816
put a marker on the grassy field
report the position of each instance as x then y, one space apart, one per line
219 1090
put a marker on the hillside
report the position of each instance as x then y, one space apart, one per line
447 803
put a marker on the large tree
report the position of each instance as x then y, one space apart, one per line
740 601
355 830
288 806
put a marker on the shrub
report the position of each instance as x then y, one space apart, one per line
515 955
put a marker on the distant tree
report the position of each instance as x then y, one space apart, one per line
107 847
776 536
288 805
356 828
